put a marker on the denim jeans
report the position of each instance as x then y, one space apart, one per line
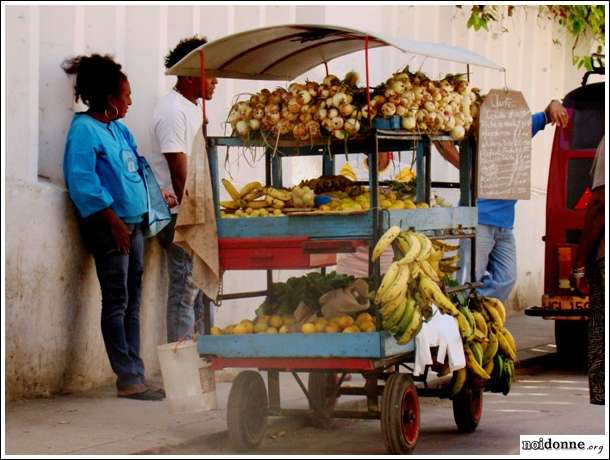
496 264
185 301
120 277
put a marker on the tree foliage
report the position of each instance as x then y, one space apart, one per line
580 20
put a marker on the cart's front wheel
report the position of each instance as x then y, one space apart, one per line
467 409
400 414
247 410
322 389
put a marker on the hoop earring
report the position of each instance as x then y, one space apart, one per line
116 115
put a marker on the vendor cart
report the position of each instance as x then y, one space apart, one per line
310 241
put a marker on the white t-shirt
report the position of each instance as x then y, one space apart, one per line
176 121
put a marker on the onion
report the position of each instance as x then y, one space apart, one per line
272 108
365 112
408 123
346 110
305 117
388 109
313 128
389 92
293 105
337 123
254 124
323 92
321 114
254 99
330 79
304 97
242 127
339 134
300 131
394 99
429 106
378 100
333 113
339 99
258 112
458 132
401 110
351 126
327 124
398 86
234 117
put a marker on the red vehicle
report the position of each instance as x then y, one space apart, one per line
568 192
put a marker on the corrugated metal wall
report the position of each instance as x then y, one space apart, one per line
140 36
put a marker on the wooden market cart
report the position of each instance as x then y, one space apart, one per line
306 242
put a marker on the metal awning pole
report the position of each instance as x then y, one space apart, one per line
203 92
366 72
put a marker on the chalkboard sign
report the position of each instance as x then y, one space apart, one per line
505 144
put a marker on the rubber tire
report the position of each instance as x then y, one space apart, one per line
321 387
571 340
467 409
400 414
247 410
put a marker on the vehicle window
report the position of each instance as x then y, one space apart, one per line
578 180
587 129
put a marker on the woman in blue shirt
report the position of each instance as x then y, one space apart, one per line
103 181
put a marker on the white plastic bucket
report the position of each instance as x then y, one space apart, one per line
188 381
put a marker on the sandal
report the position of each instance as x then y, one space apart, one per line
146 395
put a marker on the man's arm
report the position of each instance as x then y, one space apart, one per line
177 162
448 152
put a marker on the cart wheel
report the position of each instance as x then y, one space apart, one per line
400 414
467 409
322 389
247 410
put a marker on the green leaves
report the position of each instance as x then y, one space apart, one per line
581 21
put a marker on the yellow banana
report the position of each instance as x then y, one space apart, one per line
282 195
473 365
446 246
428 270
495 316
385 240
435 255
415 270
458 383
464 327
397 315
277 203
492 348
426 245
413 247
432 291
231 190
249 187
489 367
389 278
398 288
230 204
499 306
480 322
389 307
256 204
505 347
510 338
406 319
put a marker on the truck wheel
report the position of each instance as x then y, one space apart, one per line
247 410
571 340
467 409
400 414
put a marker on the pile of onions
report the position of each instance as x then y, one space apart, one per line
303 111
427 106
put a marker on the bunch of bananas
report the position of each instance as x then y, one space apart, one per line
406 174
348 171
254 200
411 284
489 347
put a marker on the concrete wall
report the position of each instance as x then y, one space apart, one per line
52 313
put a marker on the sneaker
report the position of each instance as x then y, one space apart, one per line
146 395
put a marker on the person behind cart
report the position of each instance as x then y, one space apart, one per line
177 118
590 263
496 254
103 181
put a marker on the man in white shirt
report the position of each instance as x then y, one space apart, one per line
177 118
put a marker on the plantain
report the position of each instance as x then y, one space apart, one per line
426 246
413 327
494 315
230 204
480 322
256 204
231 190
458 381
249 188
498 305
396 315
397 288
492 348
407 317
510 338
431 290
477 350
388 279
463 326
389 307
504 346
473 365
411 245
489 367
428 270
385 240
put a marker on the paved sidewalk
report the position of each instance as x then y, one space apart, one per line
97 422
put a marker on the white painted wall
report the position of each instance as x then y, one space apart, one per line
52 295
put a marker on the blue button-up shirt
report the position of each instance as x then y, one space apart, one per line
101 169
501 213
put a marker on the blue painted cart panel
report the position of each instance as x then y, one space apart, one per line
360 345
358 226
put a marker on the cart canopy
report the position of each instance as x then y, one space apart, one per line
287 51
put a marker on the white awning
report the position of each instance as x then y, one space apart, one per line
287 51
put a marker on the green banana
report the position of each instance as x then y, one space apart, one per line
492 348
478 352
473 365
407 316
463 326
413 328
389 307
396 316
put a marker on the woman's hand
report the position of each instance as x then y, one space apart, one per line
170 199
120 232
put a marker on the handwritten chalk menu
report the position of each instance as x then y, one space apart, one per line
505 143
